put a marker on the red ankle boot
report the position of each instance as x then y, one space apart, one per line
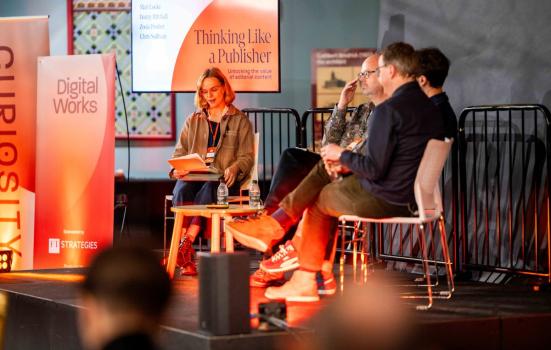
185 258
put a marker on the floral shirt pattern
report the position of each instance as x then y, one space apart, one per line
344 130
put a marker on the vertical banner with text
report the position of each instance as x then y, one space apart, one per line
75 159
22 41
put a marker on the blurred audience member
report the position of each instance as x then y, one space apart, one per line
365 317
124 296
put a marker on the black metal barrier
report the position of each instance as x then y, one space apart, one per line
312 127
504 171
495 185
279 129
399 243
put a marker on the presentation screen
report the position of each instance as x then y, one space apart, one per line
174 41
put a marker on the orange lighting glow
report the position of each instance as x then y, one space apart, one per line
63 277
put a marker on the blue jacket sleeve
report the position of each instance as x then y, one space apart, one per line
381 141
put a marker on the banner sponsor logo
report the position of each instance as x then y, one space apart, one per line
73 244
54 245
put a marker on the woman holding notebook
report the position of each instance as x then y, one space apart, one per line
220 134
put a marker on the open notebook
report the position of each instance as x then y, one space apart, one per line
199 170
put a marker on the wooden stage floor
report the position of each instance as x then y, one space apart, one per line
41 314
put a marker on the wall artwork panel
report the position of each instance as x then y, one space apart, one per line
100 26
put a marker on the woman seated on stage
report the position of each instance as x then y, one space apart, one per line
222 135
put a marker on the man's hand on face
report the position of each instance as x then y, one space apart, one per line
347 94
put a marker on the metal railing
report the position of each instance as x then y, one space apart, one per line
279 129
504 172
495 185
312 127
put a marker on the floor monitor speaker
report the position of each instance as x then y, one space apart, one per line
224 293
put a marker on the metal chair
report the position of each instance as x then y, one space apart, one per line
253 175
429 203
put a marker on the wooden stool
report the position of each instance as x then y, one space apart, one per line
212 213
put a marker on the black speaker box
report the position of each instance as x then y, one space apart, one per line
224 293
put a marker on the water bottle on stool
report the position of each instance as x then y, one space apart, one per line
254 195
222 193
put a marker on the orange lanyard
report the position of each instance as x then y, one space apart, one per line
214 134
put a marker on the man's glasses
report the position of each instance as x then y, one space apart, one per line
365 74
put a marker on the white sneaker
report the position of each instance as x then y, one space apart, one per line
299 288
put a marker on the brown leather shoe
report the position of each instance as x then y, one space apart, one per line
185 258
257 232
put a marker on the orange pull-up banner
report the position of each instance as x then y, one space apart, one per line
75 159
22 40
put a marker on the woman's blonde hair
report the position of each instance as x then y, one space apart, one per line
213 72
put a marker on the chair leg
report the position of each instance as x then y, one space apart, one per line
423 247
365 250
354 242
363 255
174 244
341 258
372 240
227 234
433 253
433 260
446 256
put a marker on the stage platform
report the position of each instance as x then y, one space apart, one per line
41 314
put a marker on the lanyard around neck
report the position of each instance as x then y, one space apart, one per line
214 134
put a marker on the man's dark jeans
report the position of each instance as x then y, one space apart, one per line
294 165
